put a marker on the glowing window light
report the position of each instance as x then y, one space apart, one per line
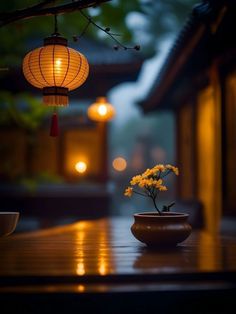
81 166
119 164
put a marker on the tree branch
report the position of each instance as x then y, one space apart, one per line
105 30
41 10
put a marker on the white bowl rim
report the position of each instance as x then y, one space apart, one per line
9 213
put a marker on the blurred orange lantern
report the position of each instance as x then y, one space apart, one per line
101 110
56 69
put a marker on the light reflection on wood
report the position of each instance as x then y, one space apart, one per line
209 251
171 260
102 261
106 247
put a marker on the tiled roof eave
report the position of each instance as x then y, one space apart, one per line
196 27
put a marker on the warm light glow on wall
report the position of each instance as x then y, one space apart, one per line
81 167
209 149
83 144
101 110
119 164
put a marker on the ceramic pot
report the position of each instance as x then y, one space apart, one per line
167 229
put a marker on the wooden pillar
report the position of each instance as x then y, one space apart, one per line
229 144
208 131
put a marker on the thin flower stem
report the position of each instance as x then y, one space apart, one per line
140 193
148 191
154 202
165 174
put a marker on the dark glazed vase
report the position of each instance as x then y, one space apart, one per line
165 230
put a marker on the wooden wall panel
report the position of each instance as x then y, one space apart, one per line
12 153
83 145
23 155
186 149
230 145
45 155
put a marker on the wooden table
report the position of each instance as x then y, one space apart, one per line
99 266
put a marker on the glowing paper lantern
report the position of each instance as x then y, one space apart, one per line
56 69
101 110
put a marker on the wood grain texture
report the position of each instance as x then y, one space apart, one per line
102 255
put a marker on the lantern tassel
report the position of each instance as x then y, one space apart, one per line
54 125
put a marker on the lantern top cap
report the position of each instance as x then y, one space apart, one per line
101 99
55 39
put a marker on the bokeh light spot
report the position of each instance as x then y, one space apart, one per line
81 166
119 164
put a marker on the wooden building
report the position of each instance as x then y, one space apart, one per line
31 154
198 83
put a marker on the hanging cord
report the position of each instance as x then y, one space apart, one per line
55 26
55 109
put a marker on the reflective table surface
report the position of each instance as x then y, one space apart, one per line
95 250
102 257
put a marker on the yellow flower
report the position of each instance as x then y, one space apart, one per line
136 180
162 188
157 183
151 179
149 182
147 173
174 169
154 171
143 183
159 168
128 191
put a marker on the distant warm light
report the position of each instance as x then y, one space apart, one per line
101 110
81 166
119 164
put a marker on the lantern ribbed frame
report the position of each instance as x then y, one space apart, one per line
56 69
93 110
